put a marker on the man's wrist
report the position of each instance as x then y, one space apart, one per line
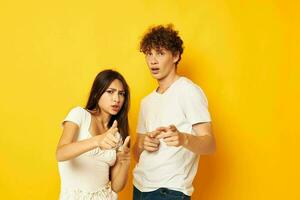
185 140
140 144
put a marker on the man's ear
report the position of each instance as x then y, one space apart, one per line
175 57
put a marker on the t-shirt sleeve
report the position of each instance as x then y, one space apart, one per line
195 105
75 116
141 126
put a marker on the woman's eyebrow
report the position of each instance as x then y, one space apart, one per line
114 89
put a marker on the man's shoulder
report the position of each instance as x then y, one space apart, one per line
187 84
187 89
148 96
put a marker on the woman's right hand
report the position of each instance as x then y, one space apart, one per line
108 140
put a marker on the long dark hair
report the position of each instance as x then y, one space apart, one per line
101 83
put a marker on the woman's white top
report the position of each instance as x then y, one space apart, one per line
87 175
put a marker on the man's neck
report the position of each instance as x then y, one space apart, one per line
165 83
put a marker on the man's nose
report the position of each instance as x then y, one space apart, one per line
153 59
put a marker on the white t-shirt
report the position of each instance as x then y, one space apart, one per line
87 175
183 104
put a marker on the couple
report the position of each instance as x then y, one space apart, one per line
173 130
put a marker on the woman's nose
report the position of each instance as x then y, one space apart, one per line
116 98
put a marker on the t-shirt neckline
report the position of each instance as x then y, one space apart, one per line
169 88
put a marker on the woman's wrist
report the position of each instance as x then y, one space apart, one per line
96 141
125 164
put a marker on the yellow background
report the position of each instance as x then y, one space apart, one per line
244 54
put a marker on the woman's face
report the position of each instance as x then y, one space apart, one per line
113 98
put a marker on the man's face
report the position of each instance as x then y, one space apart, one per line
161 62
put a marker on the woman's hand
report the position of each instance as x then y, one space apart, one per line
108 140
123 154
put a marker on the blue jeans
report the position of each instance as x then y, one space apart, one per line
159 194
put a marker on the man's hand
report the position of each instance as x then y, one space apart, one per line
171 136
150 142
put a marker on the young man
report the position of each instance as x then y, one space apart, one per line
174 124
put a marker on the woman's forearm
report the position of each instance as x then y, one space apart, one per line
119 176
72 150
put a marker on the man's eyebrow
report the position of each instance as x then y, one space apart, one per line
160 49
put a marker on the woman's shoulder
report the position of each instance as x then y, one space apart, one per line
78 115
78 110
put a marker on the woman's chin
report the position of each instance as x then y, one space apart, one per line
113 112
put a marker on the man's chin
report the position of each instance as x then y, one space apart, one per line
157 76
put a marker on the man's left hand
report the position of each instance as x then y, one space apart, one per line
171 136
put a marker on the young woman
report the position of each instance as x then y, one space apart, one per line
92 158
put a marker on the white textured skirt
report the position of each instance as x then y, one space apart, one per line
104 193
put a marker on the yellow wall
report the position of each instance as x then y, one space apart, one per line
244 54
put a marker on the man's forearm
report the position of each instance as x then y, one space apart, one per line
137 149
199 144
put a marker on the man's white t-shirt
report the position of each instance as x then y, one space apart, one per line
183 104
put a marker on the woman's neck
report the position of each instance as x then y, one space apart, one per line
102 118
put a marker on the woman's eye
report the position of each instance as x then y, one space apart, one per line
109 91
122 94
